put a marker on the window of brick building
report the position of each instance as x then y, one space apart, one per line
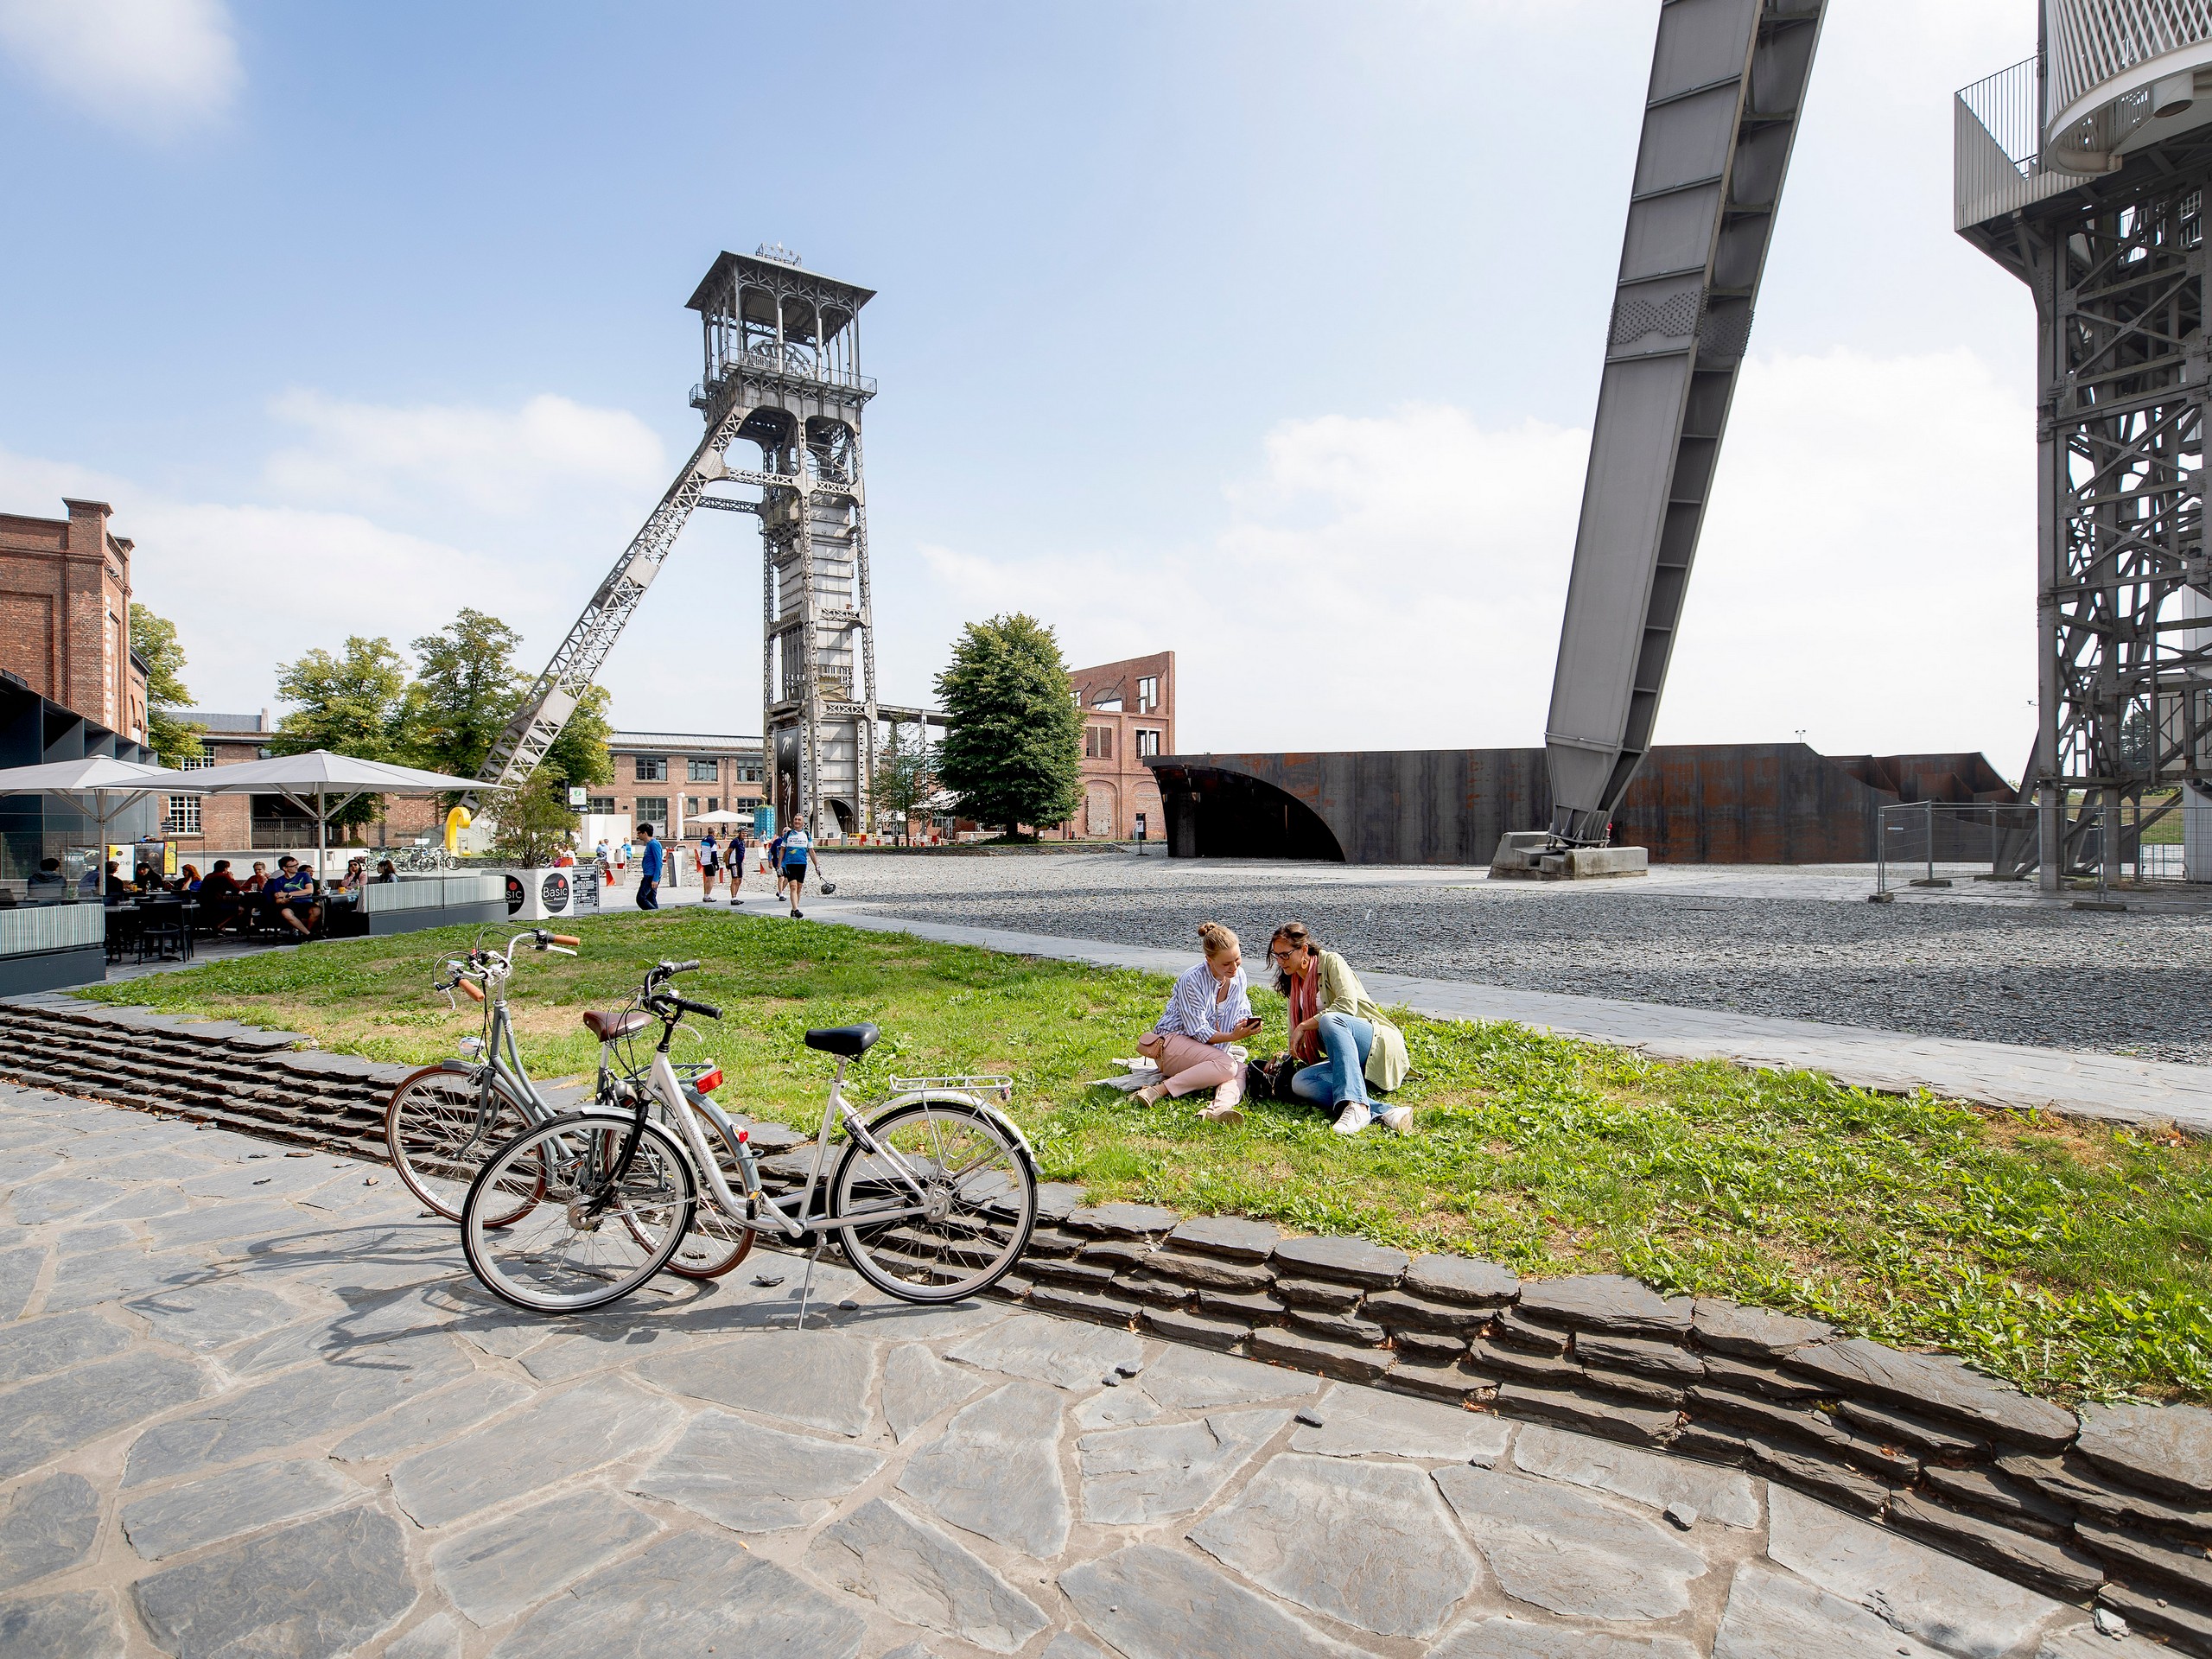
703 772
653 810
1098 742
1147 741
745 772
602 805
1148 694
184 816
653 768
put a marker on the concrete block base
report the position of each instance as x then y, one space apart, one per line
1528 855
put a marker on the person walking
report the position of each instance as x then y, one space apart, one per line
1207 1011
709 866
776 858
733 861
1338 1033
797 844
649 866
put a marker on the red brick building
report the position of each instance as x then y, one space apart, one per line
1129 710
65 615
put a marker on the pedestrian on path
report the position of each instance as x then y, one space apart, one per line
776 858
605 860
649 870
622 854
1206 1011
709 866
797 844
1338 1033
733 858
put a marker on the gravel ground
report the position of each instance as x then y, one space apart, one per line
2002 969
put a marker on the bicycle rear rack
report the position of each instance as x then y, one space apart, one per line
974 1083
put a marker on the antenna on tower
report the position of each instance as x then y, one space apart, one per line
777 251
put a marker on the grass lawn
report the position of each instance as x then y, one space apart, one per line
2071 1259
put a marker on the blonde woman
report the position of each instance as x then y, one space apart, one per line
1339 1037
1207 1011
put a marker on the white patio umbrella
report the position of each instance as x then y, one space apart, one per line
104 779
723 817
321 782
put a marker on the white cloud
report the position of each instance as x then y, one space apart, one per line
153 67
505 463
1409 567
1866 580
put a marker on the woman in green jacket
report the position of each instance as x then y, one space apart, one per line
1338 1032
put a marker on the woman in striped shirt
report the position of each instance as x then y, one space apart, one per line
1206 1011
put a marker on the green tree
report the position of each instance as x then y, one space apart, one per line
580 754
1013 748
354 704
906 774
464 691
534 822
153 638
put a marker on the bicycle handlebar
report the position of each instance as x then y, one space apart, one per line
475 992
570 939
679 967
684 1004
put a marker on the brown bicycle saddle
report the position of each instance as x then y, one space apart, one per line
607 1027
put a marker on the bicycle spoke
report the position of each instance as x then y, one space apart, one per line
964 1234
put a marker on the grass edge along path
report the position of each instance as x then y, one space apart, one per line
2069 1258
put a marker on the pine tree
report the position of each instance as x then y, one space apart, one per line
1013 748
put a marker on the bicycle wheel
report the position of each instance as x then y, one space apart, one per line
577 1245
716 1243
979 1198
430 1128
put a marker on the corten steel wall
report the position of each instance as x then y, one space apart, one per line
1711 803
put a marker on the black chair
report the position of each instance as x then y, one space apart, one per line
161 932
122 931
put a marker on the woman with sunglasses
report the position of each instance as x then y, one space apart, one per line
1338 1033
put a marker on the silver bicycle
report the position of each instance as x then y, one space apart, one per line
443 1121
933 1197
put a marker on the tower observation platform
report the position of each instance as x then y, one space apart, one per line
2083 171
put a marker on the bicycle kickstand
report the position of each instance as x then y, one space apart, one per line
806 1286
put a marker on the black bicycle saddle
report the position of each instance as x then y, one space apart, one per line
850 1041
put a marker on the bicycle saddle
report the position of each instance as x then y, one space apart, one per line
609 1027
850 1041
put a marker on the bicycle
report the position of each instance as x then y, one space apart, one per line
933 1199
444 1120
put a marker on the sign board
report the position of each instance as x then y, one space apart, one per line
579 797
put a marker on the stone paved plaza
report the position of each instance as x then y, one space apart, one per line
254 1405
1989 962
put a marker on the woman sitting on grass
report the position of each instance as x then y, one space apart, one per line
1206 1011
1340 1033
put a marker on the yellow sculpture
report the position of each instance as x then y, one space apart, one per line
456 821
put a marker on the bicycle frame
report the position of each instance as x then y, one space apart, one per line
498 1060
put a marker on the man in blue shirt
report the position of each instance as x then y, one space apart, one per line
293 889
797 844
649 865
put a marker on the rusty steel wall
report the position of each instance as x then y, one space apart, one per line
1690 804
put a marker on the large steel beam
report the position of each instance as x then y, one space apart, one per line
1727 79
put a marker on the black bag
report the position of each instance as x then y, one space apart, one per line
1286 1067
1259 1082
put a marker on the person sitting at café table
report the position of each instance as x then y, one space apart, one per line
146 878
293 890
387 871
48 877
357 874
219 895
117 886
1338 1033
1206 1011
187 878
258 881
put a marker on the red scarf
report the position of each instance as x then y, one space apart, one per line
1306 1002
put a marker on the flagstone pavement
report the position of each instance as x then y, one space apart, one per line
251 1403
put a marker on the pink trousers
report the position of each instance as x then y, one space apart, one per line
1189 1065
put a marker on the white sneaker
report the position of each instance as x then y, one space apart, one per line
1355 1117
1399 1120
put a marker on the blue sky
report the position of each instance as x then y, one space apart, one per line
1268 333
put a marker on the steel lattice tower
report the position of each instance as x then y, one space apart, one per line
782 361
2083 171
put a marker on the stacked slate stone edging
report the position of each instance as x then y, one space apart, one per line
2113 1507
213 1071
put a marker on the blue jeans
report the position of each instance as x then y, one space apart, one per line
1341 1075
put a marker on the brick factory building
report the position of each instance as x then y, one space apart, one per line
1128 712
65 615
667 779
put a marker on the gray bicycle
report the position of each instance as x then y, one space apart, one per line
933 1199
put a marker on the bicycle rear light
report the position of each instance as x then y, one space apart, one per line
710 1081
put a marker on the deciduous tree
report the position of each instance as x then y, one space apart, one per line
154 637
1013 748
351 703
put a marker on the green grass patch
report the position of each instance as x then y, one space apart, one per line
2071 1259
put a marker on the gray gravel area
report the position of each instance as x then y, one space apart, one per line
1799 945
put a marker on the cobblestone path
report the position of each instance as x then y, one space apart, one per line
250 1403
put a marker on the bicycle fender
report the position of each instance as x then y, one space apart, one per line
955 1097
